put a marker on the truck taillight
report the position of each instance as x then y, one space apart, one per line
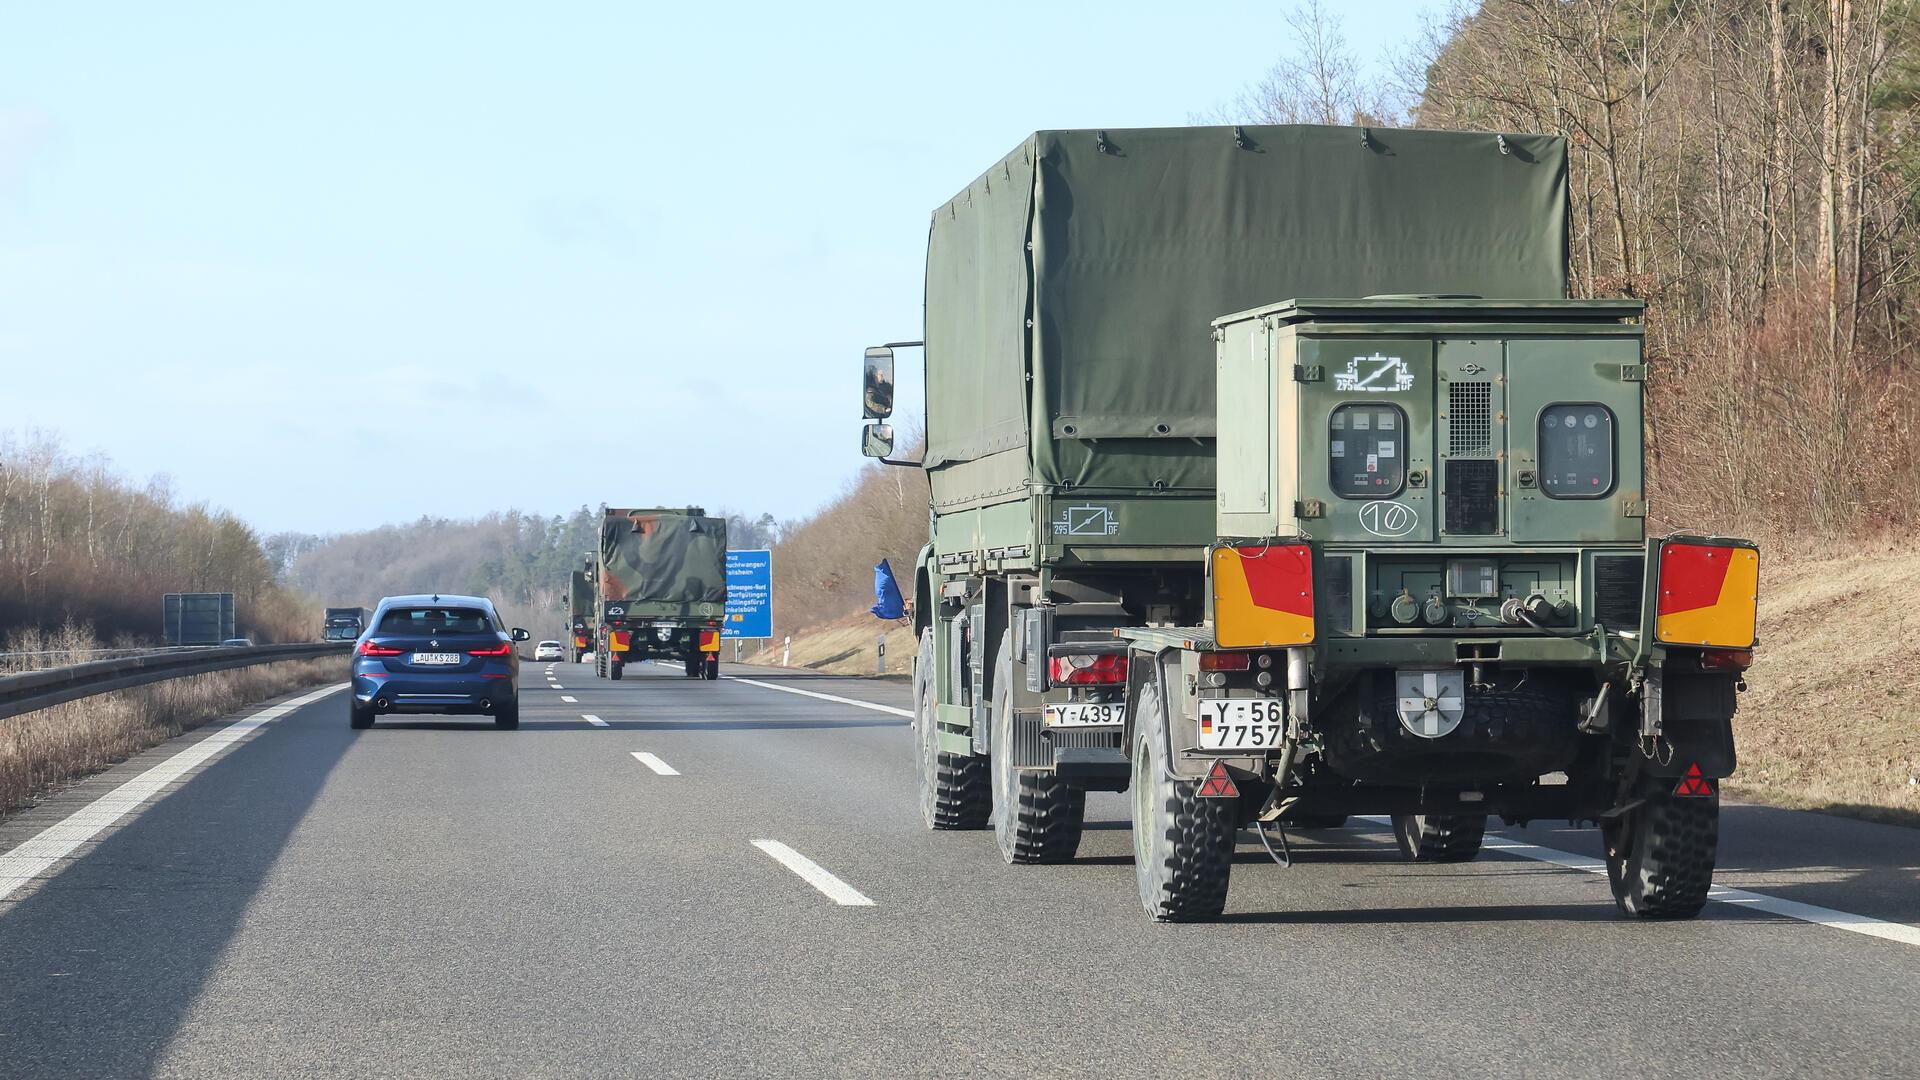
1102 669
368 648
1225 661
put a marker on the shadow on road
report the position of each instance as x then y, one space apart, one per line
99 967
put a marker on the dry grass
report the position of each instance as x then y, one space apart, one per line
845 647
1831 718
42 750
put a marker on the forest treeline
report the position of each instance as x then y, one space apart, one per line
81 545
1746 167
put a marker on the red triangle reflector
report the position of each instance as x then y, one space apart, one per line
1694 784
1219 783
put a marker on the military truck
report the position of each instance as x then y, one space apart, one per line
580 612
343 623
660 577
1396 565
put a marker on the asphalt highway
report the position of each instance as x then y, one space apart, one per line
665 877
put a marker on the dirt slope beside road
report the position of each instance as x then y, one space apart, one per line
1831 716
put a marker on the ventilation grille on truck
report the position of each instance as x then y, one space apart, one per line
1469 419
1472 495
1616 591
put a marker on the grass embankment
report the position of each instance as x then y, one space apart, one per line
1831 716
41 750
1830 719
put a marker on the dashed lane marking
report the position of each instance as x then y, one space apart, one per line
39 854
1741 898
570 699
814 874
592 719
654 763
888 709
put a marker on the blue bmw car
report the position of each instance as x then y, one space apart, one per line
437 654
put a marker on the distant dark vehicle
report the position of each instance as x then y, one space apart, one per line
548 650
343 623
237 643
437 654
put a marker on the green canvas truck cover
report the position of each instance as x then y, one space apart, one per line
579 595
663 556
1095 262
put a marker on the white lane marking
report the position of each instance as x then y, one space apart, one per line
35 856
1791 909
555 686
908 713
569 698
654 763
592 719
815 875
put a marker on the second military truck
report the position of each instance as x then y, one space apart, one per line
660 580
1397 565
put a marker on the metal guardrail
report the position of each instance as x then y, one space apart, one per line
31 690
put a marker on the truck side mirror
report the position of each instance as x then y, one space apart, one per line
876 440
876 397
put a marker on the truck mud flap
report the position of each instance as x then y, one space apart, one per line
1695 724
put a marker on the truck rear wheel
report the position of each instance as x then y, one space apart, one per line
955 790
1439 837
713 666
692 666
1037 816
1660 854
614 669
1182 844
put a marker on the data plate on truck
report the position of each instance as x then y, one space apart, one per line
1085 714
1241 723
429 659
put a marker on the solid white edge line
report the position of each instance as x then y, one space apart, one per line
592 719
815 875
1791 909
654 763
889 709
45 849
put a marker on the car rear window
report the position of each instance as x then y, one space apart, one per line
435 620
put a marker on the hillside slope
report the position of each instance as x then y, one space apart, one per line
1831 717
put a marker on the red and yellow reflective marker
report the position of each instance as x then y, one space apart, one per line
709 641
1262 595
1708 594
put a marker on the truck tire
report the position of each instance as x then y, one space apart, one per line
955 789
614 668
692 666
1037 816
712 667
1660 854
358 718
1182 844
1439 837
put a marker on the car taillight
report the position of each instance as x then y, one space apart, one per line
501 649
368 648
1225 661
1084 669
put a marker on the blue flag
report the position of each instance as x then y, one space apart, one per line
886 594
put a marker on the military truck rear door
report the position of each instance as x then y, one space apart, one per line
1366 438
1575 428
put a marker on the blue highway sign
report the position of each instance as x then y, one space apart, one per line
749 595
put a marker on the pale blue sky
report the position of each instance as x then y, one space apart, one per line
643 245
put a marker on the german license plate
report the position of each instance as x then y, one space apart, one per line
1085 714
1241 723
429 659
